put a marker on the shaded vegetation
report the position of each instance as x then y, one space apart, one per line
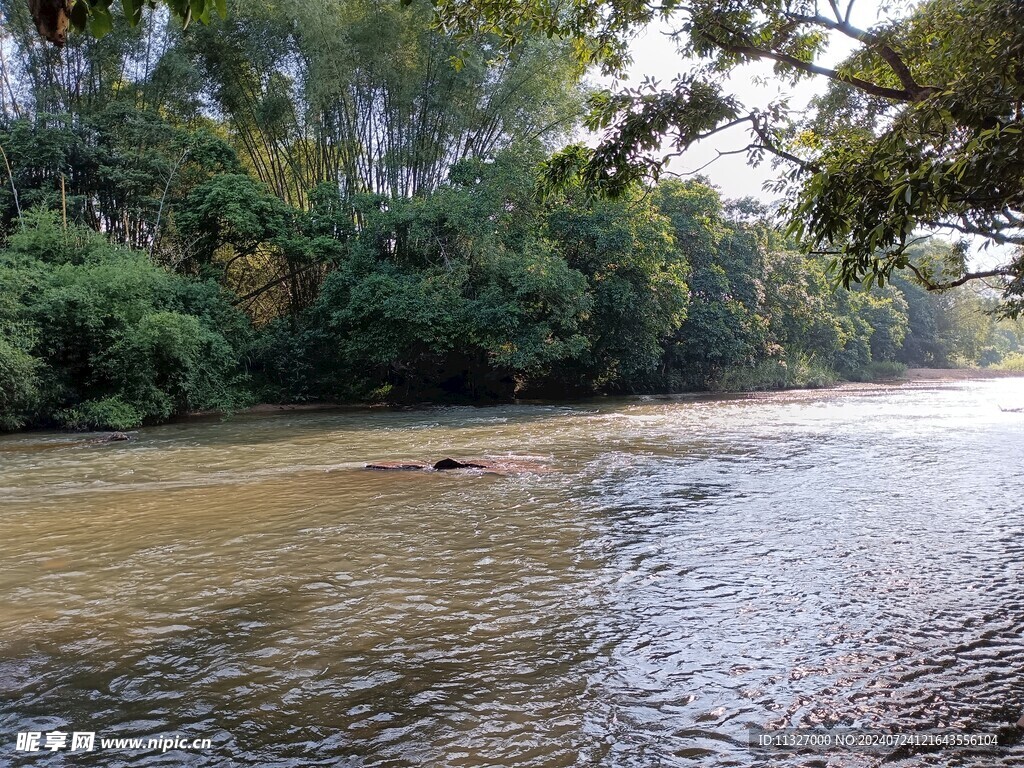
96 335
281 207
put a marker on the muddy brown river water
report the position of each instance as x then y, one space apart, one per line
686 570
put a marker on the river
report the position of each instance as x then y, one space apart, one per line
685 570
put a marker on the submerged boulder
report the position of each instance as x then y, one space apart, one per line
396 466
501 465
453 464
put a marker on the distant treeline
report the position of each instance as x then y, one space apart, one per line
291 209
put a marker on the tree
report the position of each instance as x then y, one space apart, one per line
450 294
637 278
718 328
921 131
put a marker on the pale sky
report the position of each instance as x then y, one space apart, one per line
654 55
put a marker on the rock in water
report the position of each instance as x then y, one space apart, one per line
500 466
114 437
396 466
453 464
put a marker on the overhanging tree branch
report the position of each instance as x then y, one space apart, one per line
965 278
896 94
873 41
990 233
766 139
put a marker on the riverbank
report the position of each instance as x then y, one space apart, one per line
956 374
911 375
908 376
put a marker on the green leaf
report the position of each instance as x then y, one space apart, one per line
79 15
100 22
132 11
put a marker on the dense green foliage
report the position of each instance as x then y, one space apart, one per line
282 207
96 335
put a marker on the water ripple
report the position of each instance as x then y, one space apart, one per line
692 568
